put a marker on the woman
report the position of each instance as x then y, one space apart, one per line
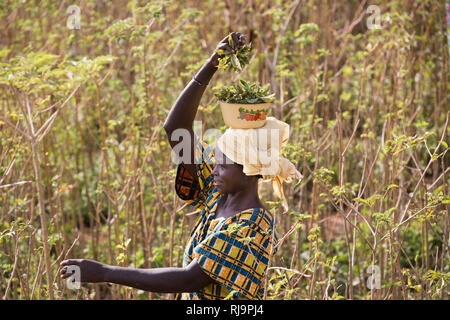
229 249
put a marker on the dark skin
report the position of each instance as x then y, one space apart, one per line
238 192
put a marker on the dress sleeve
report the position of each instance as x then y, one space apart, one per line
196 190
236 258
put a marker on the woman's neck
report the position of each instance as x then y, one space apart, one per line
243 200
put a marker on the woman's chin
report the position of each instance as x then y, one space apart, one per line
220 190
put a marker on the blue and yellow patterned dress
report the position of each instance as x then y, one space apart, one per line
235 251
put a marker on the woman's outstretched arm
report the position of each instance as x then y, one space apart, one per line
164 280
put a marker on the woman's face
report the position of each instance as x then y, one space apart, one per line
228 176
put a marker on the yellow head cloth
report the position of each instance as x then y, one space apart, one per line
258 151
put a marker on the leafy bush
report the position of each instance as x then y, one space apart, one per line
244 93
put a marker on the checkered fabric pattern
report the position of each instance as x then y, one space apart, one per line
234 251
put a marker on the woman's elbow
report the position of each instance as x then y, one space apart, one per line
196 278
167 127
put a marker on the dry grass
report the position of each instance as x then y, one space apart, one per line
85 169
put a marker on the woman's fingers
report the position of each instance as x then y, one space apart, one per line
238 39
225 47
65 273
70 262
65 264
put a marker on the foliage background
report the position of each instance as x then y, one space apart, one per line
86 172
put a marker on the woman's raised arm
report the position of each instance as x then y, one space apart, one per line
183 112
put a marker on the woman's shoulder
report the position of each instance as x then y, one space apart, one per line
258 216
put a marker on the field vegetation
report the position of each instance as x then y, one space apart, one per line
86 169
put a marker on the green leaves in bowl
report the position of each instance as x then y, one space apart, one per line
234 61
244 92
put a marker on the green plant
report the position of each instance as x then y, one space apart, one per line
244 92
234 61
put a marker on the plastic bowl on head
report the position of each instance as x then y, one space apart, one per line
244 115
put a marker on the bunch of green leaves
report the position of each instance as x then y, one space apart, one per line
244 92
234 61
